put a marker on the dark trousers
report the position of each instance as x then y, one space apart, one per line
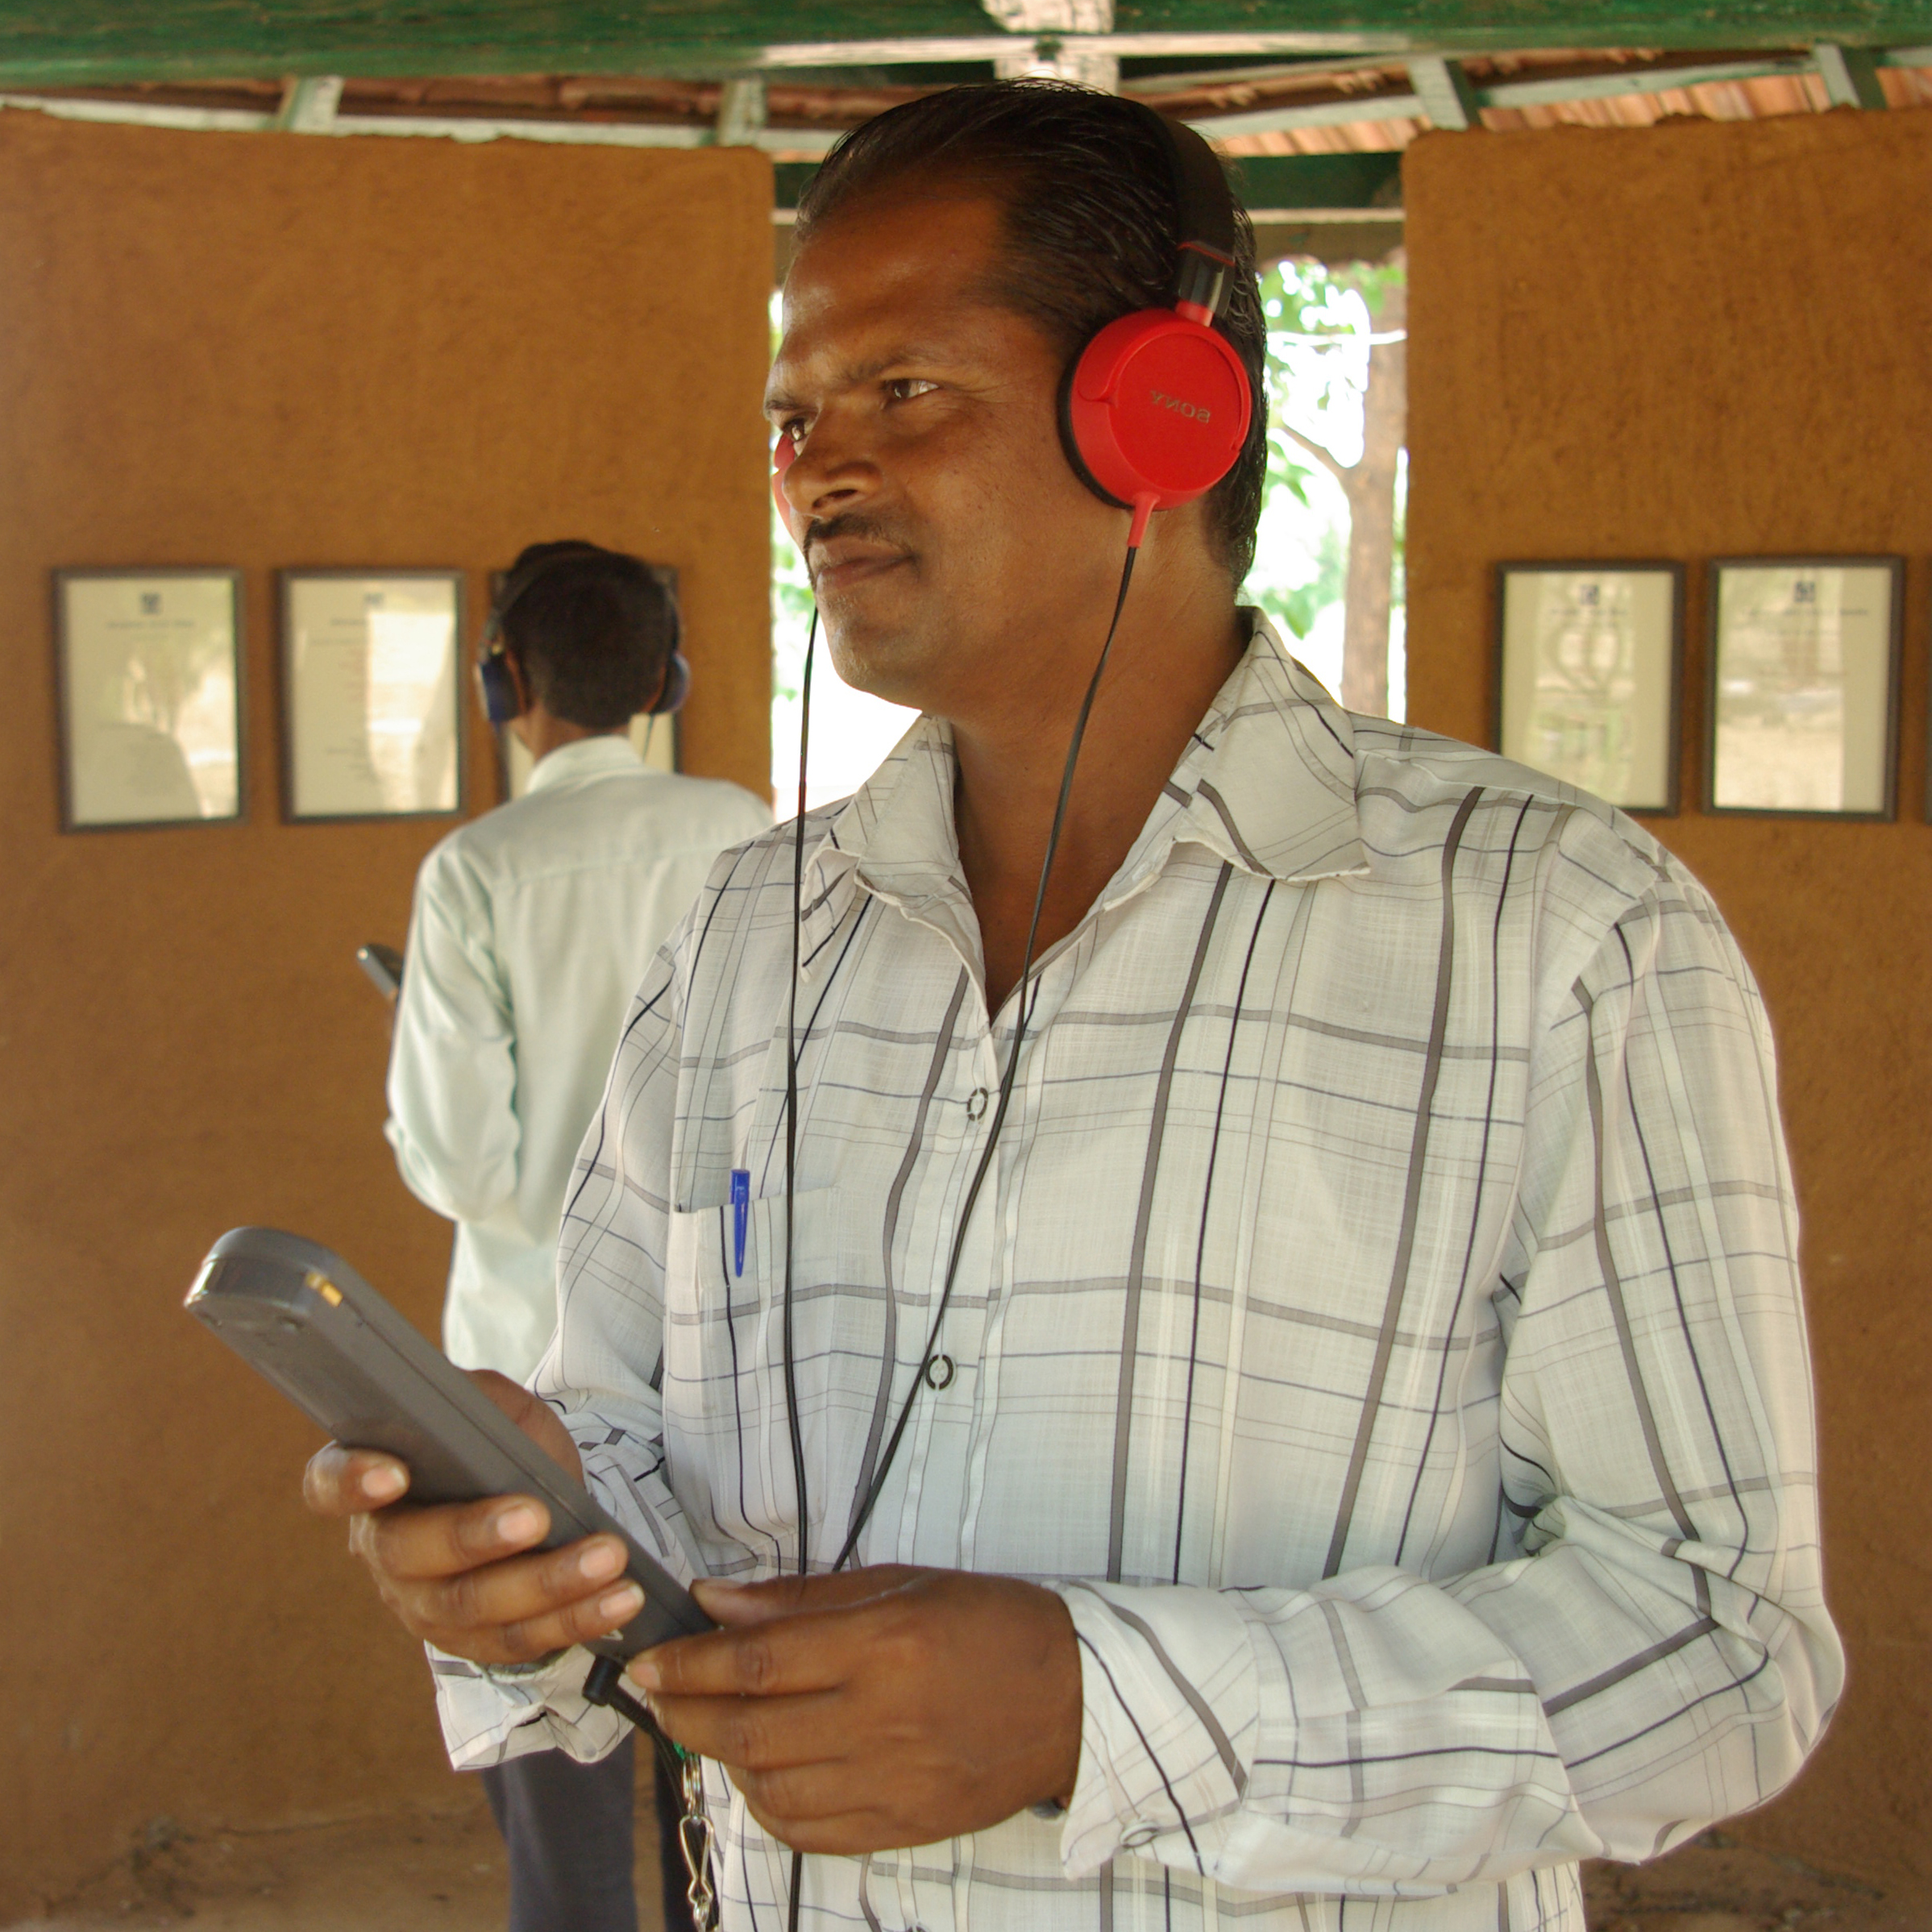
568 1830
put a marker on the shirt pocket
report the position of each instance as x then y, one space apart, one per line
724 1389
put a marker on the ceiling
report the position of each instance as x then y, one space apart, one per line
1314 98
45 42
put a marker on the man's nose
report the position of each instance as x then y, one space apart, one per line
834 472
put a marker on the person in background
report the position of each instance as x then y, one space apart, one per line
532 928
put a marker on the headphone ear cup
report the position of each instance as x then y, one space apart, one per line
501 703
677 686
1155 409
1069 438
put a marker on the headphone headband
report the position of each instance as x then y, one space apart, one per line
1204 222
501 699
1154 411
518 581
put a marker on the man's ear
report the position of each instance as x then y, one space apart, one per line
515 666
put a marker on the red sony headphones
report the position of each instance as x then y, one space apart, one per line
1154 410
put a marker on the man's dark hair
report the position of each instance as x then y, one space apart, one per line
1088 184
593 633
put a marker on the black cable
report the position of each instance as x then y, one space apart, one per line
604 1685
798 895
1006 1081
796 1889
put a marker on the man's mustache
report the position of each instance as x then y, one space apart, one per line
851 524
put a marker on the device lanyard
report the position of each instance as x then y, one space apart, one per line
694 1840
603 1685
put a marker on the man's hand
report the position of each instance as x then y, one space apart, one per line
452 1573
879 1708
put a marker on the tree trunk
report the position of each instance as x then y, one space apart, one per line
1370 488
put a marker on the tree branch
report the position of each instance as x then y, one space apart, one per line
1340 470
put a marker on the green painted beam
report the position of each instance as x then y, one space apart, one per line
1308 181
1475 26
69 42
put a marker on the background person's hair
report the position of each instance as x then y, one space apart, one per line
1087 184
593 635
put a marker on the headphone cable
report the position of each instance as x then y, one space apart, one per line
796 1889
1029 996
798 884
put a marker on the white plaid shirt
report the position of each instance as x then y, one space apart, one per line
1380 1322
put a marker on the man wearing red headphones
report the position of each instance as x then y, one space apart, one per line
1243 1251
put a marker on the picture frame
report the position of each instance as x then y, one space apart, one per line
373 722
1588 675
151 698
1804 687
659 741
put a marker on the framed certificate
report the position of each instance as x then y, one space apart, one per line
148 668
1804 685
372 694
1588 663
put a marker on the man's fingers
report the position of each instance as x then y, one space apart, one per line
758 1734
533 1415
787 1656
843 1834
530 1638
741 1603
344 1482
452 1538
523 1587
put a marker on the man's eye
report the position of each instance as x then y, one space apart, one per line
904 387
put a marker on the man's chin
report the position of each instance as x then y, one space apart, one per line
879 653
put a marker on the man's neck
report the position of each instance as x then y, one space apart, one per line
1171 655
542 732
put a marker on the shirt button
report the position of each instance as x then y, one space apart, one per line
976 1103
939 1372
1140 1835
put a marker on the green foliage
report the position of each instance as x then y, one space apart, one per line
1317 377
1295 607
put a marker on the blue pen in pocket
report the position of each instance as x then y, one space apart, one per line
741 1212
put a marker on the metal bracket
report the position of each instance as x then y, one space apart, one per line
308 104
741 112
1447 94
1850 75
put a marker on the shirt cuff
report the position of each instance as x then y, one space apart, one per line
491 1714
1169 1692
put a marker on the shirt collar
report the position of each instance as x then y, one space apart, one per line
584 759
1267 782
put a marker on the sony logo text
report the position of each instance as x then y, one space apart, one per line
1192 411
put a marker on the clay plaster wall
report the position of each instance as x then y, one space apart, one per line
1707 340
260 351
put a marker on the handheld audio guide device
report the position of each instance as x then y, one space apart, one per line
305 1320
384 965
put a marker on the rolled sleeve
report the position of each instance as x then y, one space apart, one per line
1169 1697
1651 1652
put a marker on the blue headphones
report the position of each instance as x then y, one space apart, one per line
501 702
